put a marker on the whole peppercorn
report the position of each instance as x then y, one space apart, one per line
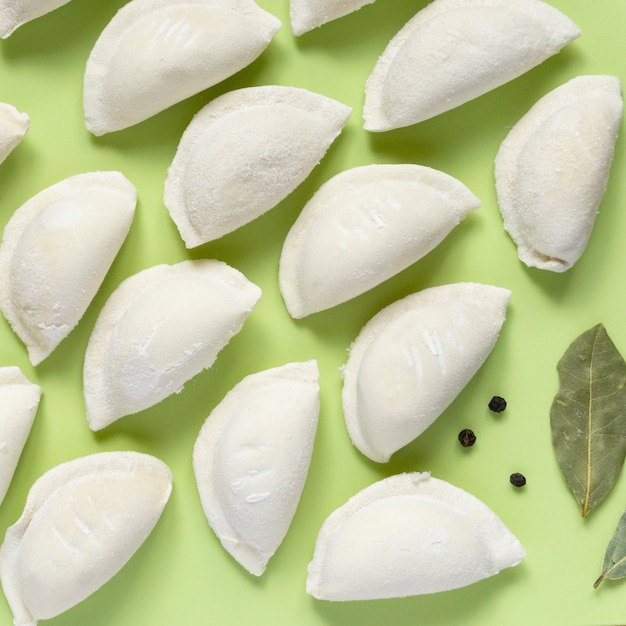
497 404
517 479
467 437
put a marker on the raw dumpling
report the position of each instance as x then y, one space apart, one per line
305 15
55 253
413 358
252 457
19 400
455 50
13 126
363 226
82 522
155 53
406 535
158 329
243 153
15 13
552 169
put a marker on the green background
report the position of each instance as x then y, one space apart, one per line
181 575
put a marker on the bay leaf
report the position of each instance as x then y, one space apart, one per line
588 417
614 564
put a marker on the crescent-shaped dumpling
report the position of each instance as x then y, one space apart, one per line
158 329
83 520
55 252
243 153
455 50
13 126
15 13
552 169
413 358
19 400
406 535
305 15
155 53
252 457
363 226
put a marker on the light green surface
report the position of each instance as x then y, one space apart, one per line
181 575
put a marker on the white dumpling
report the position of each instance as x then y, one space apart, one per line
552 169
455 50
155 53
305 15
15 13
252 457
55 252
13 127
413 358
363 226
243 153
83 520
406 535
19 400
157 330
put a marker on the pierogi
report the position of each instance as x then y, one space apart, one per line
305 15
15 13
13 127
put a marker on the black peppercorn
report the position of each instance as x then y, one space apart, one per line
517 479
497 404
467 437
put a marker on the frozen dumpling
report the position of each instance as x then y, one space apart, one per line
305 15
243 153
406 535
455 50
55 252
155 53
363 226
552 169
15 13
252 456
158 329
83 520
19 400
413 358
13 126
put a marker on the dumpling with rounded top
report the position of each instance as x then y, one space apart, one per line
413 358
455 50
15 13
552 169
157 330
19 401
155 53
406 535
252 457
55 252
243 153
82 522
305 15
13 127
362 227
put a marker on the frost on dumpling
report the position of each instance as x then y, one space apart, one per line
155 53
305 15
363 226
157 330
406 535
15 13
55 252
243 153
19 400
252 457
13 126
455 50
83 520
413 358
552 169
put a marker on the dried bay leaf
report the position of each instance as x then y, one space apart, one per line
588 417
614 564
